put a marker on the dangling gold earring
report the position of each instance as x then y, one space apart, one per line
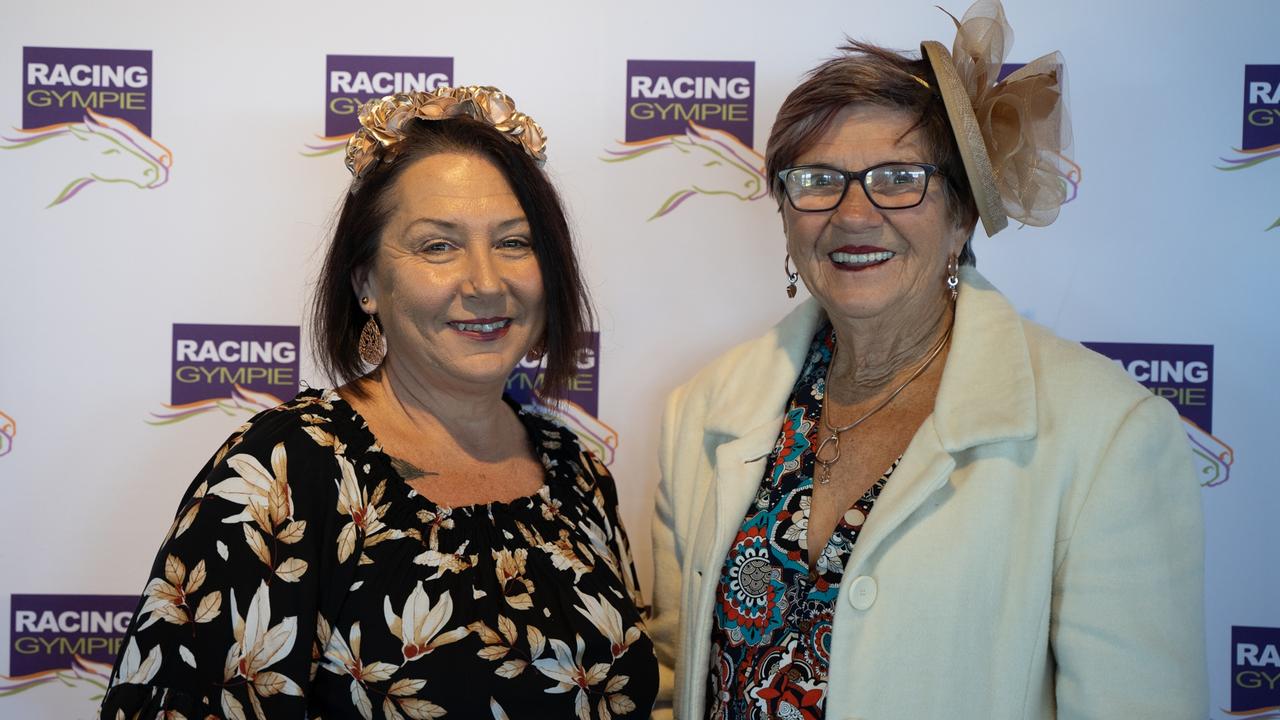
791 276
953 277
373 347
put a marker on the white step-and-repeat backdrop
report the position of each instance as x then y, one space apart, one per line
169 173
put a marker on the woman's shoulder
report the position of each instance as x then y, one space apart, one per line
1066 373
558 446
313 412
551 435
303 439
1066 369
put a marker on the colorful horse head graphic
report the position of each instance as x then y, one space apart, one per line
702 161
326 145
8 428
1073 176
593 434
241 401
1213 457
84 683
111 151
1252 158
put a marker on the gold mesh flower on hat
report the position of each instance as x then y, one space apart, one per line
1014 135
384 122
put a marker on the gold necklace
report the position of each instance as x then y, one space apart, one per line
833 433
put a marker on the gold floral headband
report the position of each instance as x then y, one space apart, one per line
1014 135
384 122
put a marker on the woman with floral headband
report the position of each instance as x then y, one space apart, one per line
904 500
412 543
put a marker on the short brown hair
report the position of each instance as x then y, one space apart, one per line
866 74
336 315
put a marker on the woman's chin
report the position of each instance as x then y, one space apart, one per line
857 306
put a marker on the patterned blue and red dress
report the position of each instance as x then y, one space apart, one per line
771 636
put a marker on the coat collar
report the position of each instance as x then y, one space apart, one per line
763 372
988 388
987 393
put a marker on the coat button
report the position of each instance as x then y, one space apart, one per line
862 593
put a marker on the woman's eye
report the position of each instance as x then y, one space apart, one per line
515 242
436 246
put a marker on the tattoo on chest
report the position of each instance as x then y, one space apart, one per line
408 470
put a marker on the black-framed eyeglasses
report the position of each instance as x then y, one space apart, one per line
889 186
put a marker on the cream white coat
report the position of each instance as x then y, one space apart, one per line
1037 554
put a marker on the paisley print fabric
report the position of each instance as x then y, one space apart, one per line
303 578
771 633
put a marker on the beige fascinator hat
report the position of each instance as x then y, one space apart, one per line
1013 134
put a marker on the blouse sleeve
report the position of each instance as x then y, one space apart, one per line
253 562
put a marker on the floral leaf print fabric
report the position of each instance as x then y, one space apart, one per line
302 577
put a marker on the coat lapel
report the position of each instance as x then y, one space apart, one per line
746 417
743 425
739 468
987 395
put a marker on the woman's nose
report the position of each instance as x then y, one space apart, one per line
855 211
482 274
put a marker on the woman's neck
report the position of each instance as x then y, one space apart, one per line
415 408
872 353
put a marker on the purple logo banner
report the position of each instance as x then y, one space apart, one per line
351 80
210 361
1255 668
48 631
60 84
1182 374
664 96
584 389
1261 107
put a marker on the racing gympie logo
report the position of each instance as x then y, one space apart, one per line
1260 137
1183 375
232 369
89 111
1255 673
8 429
578 410
690 124
352 80
61 649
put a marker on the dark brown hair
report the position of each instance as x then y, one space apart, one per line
866 74
336 315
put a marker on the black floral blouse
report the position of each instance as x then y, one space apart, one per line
302 577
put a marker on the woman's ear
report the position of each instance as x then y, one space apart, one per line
364 286
961 236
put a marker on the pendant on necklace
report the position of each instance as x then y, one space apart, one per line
832 441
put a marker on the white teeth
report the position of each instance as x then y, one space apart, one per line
481 327
861 258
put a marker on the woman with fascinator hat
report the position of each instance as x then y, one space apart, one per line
904 500
411 544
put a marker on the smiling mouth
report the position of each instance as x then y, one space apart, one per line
860 260
483 327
